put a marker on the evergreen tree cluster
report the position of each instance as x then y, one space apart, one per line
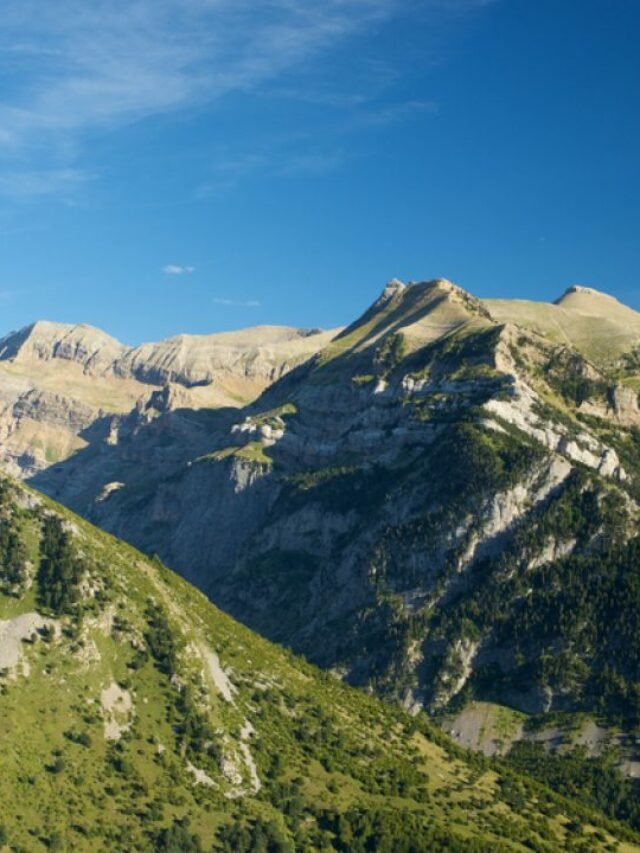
195 735
596 781
178 839
13 554
259 836
61 570
161 640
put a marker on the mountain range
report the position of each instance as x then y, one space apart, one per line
58 380
438 503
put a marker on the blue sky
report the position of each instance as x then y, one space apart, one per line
197 165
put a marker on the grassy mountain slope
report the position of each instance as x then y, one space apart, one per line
594 323
137 716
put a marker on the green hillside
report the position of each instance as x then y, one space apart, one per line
136 716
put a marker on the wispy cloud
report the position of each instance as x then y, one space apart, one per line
304 153
388 114
227 171
236 303
25 183
177 269
5 295
75 67
314 162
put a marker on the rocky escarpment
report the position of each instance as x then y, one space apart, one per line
434 506
62 387
94 350
263 353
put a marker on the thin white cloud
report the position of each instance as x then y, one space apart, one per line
177 269
73 67
236 303
314 163
8 294
390 114
24 184
299 154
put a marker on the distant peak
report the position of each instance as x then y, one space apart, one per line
583 290
53 330
395 288
45 340
442 288
391 290
442 284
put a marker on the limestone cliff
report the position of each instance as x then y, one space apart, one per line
62 385
395 506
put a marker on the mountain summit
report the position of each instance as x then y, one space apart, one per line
42 341
588 297
421 312
596 324
440 505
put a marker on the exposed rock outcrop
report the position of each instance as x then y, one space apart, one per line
63 387
392 505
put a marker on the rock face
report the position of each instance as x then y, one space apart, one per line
61 386
94 350
418 506
264 353
434 505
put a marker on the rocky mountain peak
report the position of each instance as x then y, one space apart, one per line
396 288
418 313
440 284
43 340
580 290
594 323
262 353
391 291
453 292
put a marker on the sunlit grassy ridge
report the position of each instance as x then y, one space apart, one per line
595 324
